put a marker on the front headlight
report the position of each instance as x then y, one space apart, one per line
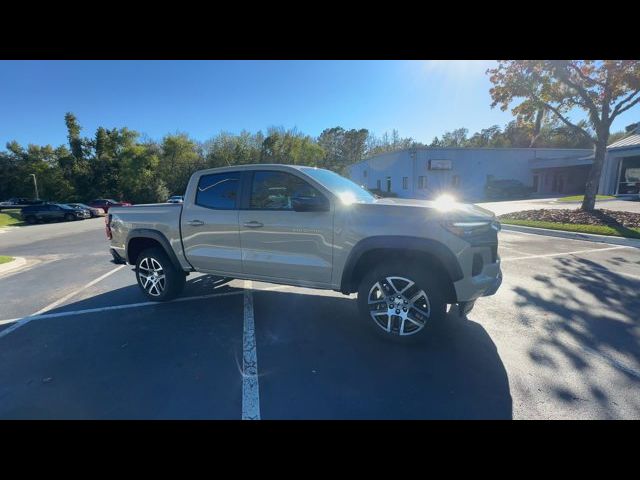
468 228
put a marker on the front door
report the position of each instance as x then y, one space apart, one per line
209 223
279 243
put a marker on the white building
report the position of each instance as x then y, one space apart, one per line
428 172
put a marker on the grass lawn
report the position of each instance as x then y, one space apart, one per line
5 259
10 217
579 198
571 227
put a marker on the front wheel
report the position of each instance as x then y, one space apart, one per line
158 278
399 301
69 217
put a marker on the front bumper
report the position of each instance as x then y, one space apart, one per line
486 283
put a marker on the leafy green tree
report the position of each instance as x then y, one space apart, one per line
180 156
603 89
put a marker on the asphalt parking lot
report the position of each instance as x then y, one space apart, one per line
560 339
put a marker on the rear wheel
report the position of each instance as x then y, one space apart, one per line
400 302
31 219
157 276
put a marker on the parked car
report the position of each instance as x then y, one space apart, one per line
106 203
507 189
52 211
14 201
176 199
310 227
22 201
93 211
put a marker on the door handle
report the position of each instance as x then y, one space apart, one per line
195 223
253 224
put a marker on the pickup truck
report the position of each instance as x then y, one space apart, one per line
309 227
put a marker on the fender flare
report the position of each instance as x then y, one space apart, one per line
402 243
157 236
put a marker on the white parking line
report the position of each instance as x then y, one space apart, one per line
575 252
74 293
72 313
250 386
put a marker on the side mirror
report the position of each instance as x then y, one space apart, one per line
309 204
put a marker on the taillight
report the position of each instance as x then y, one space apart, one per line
107 226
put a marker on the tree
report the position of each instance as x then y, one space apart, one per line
604 89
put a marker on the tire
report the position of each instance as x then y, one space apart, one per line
69 217
31 220
167 283
423 300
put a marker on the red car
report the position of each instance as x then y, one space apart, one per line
107 203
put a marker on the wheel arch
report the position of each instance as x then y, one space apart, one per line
371 251
143 238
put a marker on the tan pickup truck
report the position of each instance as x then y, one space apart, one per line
309 227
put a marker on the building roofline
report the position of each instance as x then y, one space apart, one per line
467 148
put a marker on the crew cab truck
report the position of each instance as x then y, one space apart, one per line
303 226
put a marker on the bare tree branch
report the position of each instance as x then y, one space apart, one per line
567 122
629 98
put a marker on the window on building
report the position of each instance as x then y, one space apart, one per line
378 185
422 182
455 181
405 183
364 173
388 184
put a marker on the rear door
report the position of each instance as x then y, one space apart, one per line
279 243
209 224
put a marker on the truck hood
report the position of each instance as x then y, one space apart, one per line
455 209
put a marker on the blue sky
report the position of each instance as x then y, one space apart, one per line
419 98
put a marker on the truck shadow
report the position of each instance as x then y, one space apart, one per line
321 354
317 360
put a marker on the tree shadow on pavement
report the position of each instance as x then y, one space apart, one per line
599 322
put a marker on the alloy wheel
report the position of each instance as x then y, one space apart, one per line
398 306
152 278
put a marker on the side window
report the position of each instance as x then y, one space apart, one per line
274 190
219 191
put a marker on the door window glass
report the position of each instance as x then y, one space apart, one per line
272 190
218 191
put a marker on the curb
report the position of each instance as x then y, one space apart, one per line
16 263
589 237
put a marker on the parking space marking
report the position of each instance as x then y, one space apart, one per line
575 252
250 386
21 321
53 305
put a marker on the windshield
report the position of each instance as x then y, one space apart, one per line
343 188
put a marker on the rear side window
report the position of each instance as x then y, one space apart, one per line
219 191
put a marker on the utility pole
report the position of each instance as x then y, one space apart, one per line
35 185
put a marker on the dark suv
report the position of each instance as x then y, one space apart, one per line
52 211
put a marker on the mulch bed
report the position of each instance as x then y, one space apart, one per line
610 218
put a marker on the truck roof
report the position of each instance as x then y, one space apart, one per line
256 166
